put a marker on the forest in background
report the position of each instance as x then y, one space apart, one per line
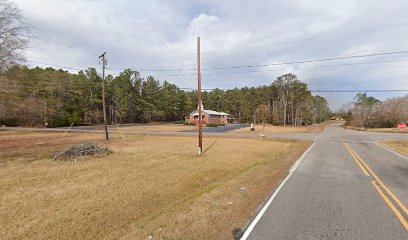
35 96
370 112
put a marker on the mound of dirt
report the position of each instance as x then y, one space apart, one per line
81 150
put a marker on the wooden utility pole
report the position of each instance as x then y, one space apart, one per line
200 129
269 111
103 95
45 115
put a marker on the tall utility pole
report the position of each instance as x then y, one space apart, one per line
45 115
200 129
103 95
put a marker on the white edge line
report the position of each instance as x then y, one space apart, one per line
390 150
265 207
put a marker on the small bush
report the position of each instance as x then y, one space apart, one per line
179 122
190 124
9 122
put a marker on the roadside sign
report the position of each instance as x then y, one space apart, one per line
402 126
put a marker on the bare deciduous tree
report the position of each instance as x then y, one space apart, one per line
13 34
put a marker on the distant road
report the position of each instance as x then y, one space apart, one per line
222 129
212 131
346 187
205 129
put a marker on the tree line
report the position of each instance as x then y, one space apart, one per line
370 112
35 96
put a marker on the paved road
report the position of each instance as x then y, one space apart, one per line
329 196
221 129
124 126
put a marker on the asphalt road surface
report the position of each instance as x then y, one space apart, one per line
221 129
345 187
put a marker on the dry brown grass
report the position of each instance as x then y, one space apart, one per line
270 129
398 146
157 128
151 186
382 130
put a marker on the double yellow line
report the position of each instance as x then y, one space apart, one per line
369 172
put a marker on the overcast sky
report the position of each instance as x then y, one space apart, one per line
148 35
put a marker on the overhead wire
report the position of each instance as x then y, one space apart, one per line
232 50
53 65
282 69
276 64
8 89
296 41
223 73
326 91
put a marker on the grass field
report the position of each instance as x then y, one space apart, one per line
383 130
150 186
157 128
270 129
398 146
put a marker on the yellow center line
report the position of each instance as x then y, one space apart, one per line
364 167
355 159
381 183
388 201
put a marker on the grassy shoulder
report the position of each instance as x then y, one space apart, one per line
380 130
150 186
271 129
398 146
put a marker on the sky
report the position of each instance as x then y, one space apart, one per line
162 35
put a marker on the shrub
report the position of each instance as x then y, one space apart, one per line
9 122
179 122
190 124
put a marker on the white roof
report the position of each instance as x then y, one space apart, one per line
210 112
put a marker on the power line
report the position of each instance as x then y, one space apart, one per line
294 42
8 89
261 65
59 42
311 61
285 69
224 73
205 89
277 64
235 50
360 91
323 91
53 65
